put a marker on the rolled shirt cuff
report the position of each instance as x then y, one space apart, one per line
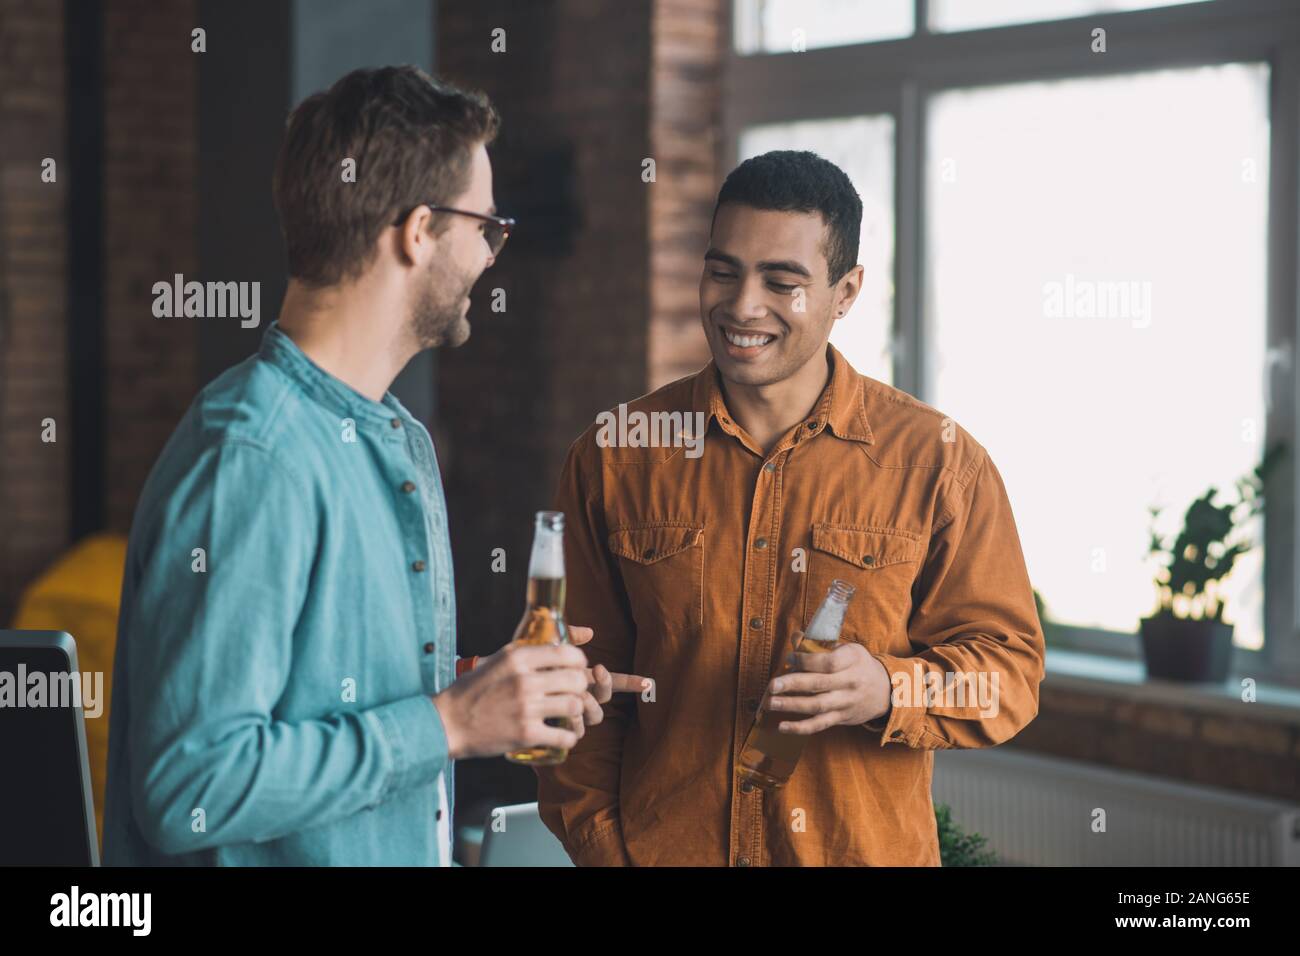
905 722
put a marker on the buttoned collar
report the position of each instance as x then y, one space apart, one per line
386 416
839 408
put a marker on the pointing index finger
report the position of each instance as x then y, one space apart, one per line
630 683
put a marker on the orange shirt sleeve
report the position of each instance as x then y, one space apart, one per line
977 623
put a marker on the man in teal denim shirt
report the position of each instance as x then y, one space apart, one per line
285 686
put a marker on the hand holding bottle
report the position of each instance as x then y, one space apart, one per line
829 676
504 703
844 686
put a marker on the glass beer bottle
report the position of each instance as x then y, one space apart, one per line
769 756
543 620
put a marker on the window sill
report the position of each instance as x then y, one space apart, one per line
1126 679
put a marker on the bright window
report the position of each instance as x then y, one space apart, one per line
786 26
1095 262
975 14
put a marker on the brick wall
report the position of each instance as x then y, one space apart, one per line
149 202
1254 752
571 89
150 206
686 116
34 512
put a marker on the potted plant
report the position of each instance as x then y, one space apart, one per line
1186 639
1049 627
956 846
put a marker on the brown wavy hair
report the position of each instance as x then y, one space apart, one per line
411 137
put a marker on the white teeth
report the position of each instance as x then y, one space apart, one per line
747 341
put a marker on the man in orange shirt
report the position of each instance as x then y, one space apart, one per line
695 565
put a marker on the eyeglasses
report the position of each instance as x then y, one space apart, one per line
496 231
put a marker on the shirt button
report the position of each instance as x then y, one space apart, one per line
868 559
438 815
755 623
770 467
761 543
746 787
743 861
396 423
417 567
408 486
428 648
726 421
896 733
811 425
648 553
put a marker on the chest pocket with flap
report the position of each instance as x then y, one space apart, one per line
881 563
663 571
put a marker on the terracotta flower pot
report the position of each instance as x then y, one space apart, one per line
1185 650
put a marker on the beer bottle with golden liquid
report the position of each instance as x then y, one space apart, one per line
543 620
769 756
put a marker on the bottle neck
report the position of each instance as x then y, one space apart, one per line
546 566
547 560
546 594
827 622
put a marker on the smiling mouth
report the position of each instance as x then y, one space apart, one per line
748 341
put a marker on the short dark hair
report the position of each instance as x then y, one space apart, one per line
790 180
411 137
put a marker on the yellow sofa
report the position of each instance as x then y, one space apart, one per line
80 594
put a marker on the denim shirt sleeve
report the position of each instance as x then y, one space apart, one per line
213 653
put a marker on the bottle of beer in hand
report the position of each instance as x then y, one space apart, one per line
543 620
769 756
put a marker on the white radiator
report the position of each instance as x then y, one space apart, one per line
1038 811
